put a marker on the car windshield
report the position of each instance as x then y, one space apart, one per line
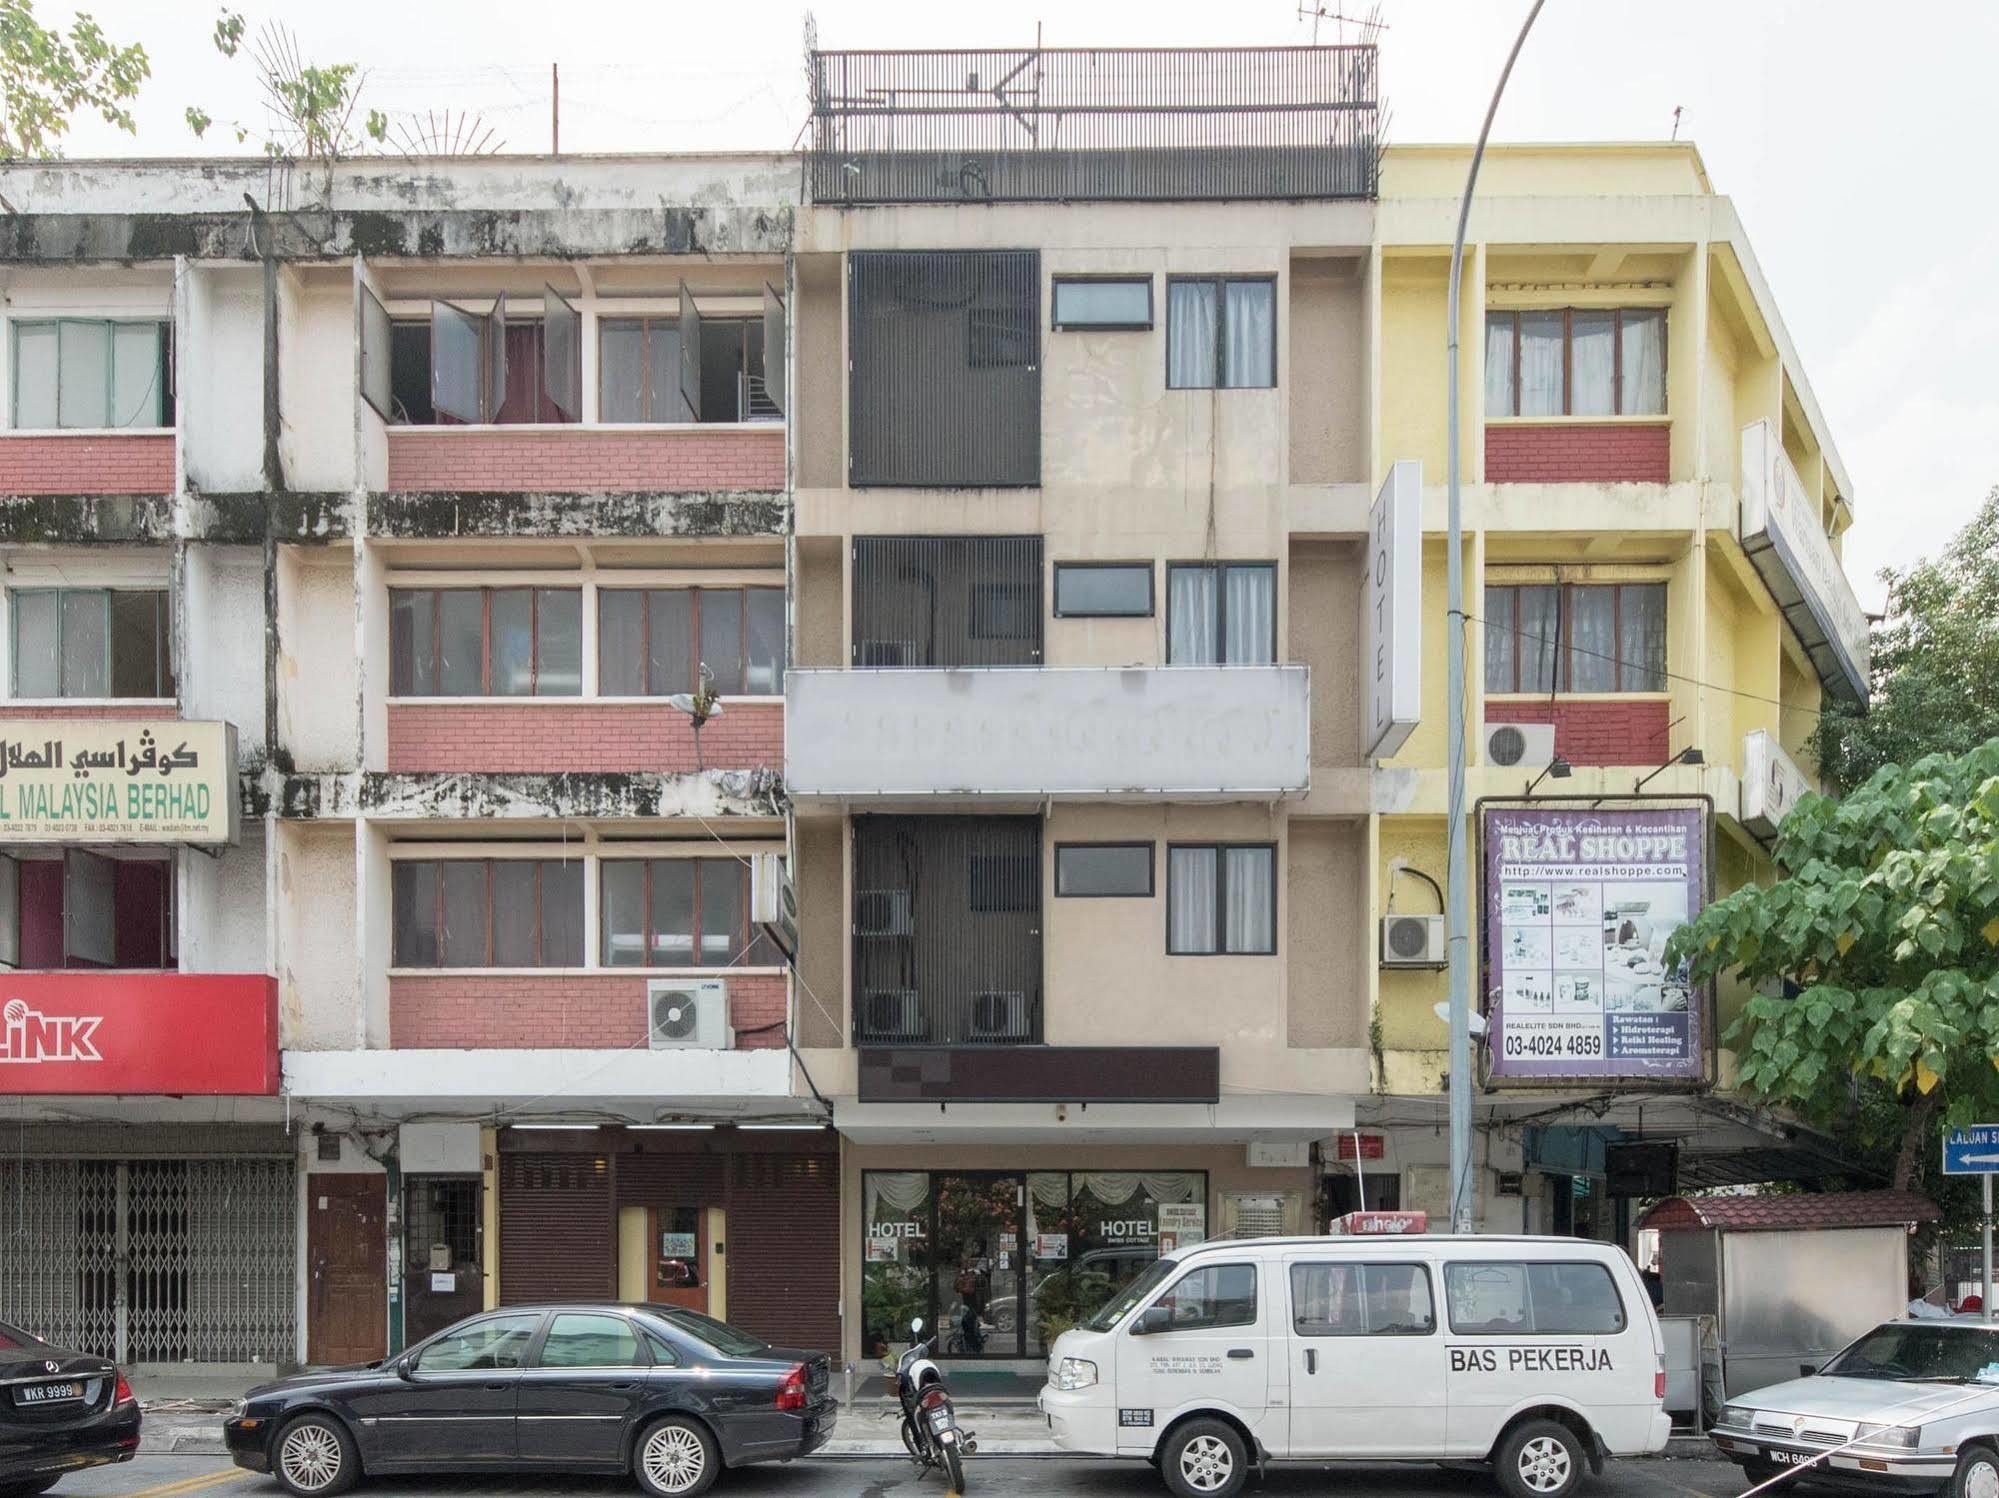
1121 1304
1917 1352
719 1335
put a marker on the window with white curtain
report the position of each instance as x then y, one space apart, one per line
1221 898
1575 637
1221 332
1221 613
1576 361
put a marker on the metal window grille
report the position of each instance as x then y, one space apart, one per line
1053 124
947 930
947 601
945 374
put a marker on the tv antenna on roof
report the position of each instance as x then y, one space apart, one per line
1369 26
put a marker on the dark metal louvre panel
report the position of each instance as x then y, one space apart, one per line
556 1227
1056 124
784 1248
945 376
947 931
670 1180
947 601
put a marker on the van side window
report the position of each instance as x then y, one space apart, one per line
1212 1296
1512 1299
1361 1300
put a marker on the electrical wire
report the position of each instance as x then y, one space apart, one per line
1523 636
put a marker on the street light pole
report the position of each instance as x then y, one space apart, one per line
1459 871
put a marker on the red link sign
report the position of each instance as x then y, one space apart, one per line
181 1034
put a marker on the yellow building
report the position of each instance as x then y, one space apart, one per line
1653 508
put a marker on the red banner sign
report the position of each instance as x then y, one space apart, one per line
178 1034
1371 1146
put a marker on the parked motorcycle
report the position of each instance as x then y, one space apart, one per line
930 1430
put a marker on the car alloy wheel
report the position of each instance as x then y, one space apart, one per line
675 1459
1544 1464
309 1456
1207 1464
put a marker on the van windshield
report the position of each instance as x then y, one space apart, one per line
1121 1304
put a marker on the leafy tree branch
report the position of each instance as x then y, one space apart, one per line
47 76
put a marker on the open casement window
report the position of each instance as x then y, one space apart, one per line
10 911
690 354
775 333
562 353
89 910
468 361
377 335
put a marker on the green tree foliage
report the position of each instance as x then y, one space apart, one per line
1936 663
47 76
1886 919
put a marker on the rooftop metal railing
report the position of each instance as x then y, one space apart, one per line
1054 124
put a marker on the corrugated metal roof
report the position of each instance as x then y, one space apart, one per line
1748 1214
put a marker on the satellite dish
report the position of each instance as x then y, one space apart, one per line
1443 1012
685 702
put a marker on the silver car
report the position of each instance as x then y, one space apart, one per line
1912 1406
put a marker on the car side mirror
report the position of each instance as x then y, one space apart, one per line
916 1327
1154 1319
406 1369
1808 1370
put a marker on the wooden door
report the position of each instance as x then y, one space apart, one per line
346 1247
679 1251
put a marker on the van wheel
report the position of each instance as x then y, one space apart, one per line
1207 1459
1977 1474
1539 1459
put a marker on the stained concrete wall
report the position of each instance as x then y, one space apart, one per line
221 662
318 679
1327 597
317 1000
221 910
222 392
1329 363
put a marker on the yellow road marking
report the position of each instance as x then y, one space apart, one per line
189 1484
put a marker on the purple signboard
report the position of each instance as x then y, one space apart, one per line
1578 906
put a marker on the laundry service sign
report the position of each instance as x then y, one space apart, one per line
154 780
1579 905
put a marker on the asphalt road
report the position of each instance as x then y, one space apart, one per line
202 1475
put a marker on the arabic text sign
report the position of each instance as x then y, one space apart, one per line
155 780
1972 1152
187 1034
1579 905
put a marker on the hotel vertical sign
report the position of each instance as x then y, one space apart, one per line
1394 632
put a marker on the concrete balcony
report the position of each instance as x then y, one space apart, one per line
1786 543
1173 733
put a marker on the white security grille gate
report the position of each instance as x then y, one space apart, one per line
152 1261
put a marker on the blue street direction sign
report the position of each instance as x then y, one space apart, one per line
1971 1152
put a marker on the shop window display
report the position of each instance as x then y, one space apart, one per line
1004 1262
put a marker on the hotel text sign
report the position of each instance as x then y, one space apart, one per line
157 780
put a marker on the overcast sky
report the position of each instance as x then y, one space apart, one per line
1853 137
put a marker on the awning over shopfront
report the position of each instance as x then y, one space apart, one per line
1270 1118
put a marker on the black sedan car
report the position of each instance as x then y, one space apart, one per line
59 1412
668 1395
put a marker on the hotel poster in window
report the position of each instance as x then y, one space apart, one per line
1579 904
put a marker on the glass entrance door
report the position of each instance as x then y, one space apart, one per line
980 1232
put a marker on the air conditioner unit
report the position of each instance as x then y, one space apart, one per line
883 912
688 1014
1412 941
1513 746
892 1014
888 654
999 1016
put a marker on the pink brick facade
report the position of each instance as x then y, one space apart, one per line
99 463
499 738
559 1011
578 458
1595 731
1587 452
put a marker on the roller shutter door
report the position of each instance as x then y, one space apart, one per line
784 1249
556 1229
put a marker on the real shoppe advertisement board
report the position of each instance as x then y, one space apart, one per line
1579 904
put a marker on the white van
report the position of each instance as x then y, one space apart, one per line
1536 1355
